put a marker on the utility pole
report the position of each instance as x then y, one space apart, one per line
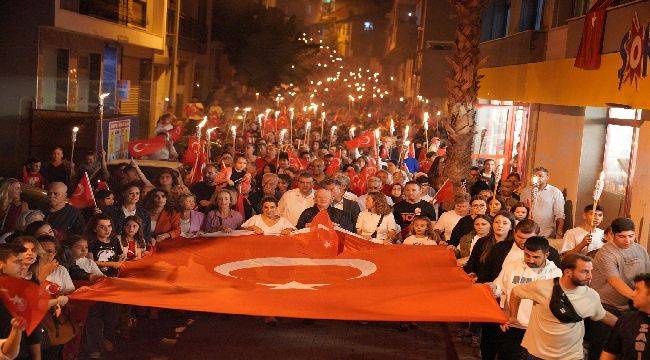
174 76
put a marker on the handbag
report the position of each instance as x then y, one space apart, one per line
60 328
561 306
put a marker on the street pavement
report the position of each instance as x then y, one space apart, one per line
191 335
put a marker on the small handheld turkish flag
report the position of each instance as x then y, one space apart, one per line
364 140
445 193
83 195
331 239
24 299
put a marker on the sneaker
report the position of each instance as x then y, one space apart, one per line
404 327
95 355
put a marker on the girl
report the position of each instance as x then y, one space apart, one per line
396 193
60 275
223 218
482 225
377 223
421 232
165 221
495 205
502 230
520 212
190 219
79 249
104 247
131 239
238 171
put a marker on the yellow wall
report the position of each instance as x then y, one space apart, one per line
559 82
557 147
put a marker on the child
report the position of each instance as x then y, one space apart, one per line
32 173
584 239
131 239
164 125
520 212
79 249
421 232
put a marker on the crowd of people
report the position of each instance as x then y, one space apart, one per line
498 229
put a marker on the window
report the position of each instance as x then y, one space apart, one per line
531 15
496 19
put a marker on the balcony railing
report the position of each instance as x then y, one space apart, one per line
132 12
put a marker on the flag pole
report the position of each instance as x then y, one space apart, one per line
598 190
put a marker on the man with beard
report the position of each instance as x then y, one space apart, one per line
534 266
204 189
548 337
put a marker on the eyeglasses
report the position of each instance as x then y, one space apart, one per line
479 205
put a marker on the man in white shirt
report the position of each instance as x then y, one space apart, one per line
547 337
585 238
295 201
373 184
534 266
449 219
548 208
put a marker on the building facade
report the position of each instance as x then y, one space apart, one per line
541 110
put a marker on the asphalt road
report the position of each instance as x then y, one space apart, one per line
189 336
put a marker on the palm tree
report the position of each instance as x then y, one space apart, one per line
462 85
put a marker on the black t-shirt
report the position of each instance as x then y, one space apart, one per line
203 191
629 338
53 173
110 251
404 212
68 220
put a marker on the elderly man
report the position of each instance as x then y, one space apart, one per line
349 207
295 201
548 208
323 201
373 184
63 217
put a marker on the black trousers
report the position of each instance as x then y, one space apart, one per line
496 344
597 333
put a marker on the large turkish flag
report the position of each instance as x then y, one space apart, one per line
306 275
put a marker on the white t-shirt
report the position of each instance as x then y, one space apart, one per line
367 223
447 222
89 266
275 229
515 254
516 273
185 226
293 203
61 277
416 240
574 237
548 338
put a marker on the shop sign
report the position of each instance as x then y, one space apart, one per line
634 51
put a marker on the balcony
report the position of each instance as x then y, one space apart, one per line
193 34
520 48
131 12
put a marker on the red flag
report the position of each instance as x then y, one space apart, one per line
269 124
193 111
102 185
259 275
411 151
283 122
143 147
176 133
296 162
196 174
334 166
591 43
24 300
366 139
445 193
331 239
192 151
83 195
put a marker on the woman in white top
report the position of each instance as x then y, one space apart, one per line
377 223
269 222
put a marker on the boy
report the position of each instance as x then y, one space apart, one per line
583 239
